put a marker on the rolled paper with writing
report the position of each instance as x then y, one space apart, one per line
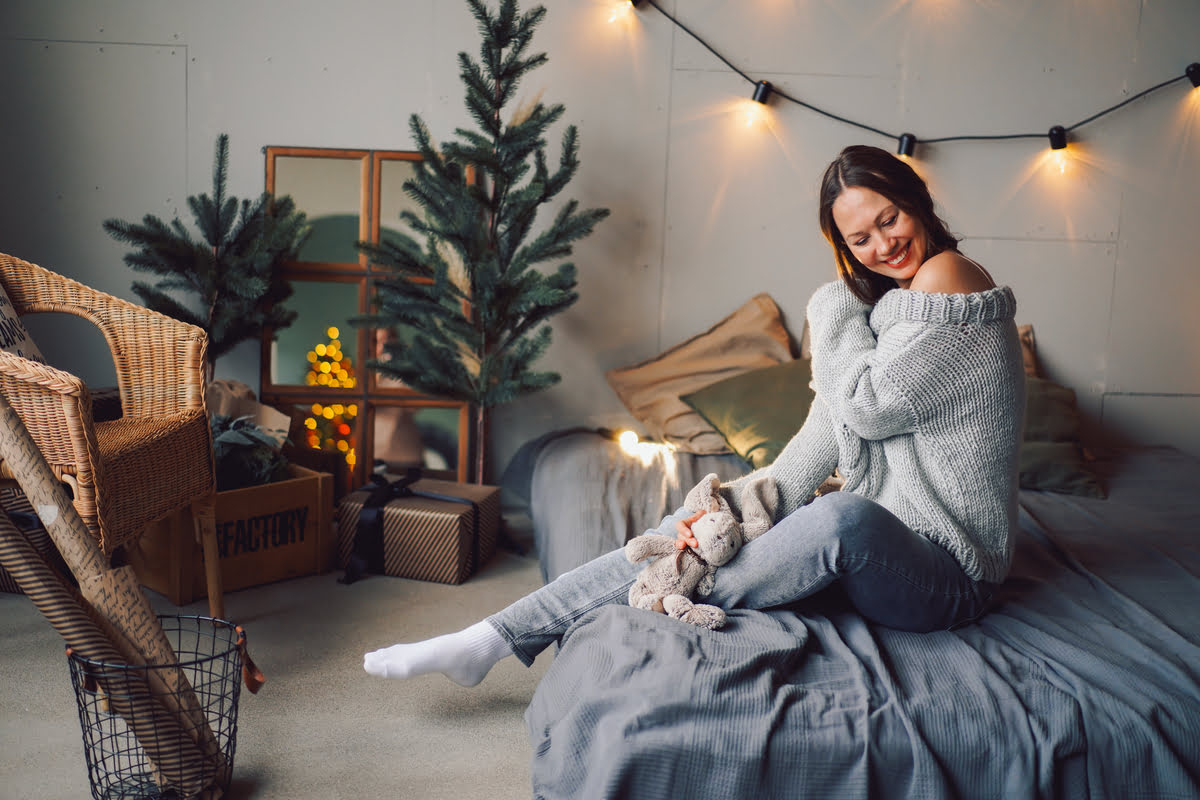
115 595
135 630
177 760
66 528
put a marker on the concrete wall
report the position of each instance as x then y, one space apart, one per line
111 109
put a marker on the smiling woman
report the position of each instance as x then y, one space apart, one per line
917 407
878 215
883 238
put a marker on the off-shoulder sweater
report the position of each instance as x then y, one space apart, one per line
919 405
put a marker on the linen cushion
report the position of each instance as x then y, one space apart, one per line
751 337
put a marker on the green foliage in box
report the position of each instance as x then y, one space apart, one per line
245 455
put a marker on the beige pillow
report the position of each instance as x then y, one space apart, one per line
1028 350
13 336
750 338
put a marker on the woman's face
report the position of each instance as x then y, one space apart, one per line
880 235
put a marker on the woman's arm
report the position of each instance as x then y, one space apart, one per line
848 365
807 460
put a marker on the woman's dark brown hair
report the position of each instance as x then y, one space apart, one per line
880 171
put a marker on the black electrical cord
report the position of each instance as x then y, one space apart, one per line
963 138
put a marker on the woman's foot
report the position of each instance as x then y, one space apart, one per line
464 657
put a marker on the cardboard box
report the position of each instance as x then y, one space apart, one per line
264 534
429 539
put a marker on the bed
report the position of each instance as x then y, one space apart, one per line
1082 681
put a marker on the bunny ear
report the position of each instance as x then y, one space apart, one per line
701 497
760 499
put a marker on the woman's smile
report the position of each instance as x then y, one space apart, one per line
883 238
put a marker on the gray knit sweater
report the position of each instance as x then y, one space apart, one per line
919 405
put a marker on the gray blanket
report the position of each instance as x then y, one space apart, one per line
1083 681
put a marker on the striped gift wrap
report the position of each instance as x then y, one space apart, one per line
429 539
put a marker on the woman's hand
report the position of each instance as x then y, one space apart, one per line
684 538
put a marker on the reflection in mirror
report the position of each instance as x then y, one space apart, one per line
332 427
319 348
426 437
392 197
330 191
384 345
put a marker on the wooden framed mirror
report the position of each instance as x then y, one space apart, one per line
316 367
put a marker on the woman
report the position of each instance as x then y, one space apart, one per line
918 406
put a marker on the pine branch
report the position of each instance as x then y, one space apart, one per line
232 271
476 247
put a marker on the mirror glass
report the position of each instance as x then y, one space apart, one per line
392 197
420 436
330 192
320 348
333 427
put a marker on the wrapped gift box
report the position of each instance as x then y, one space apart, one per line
426 538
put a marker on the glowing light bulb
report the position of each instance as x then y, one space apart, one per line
621 9
1060 160
628 441
754 113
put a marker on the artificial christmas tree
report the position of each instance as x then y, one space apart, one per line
466 303
234 269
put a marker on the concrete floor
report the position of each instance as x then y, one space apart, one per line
320 727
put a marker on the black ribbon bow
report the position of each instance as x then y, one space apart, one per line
367 555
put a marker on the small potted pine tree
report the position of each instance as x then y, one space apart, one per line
466 298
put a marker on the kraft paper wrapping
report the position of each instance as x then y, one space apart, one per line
81 629
121 608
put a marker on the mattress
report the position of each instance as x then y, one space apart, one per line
1082 681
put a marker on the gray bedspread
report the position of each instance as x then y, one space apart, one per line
1083 681
587 496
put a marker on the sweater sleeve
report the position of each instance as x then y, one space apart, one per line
801 467
850 365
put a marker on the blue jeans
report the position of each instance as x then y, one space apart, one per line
892 575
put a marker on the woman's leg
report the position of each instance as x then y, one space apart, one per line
892 575
523 629
540 618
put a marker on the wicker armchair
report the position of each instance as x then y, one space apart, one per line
154 461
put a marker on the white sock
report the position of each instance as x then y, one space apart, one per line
464 657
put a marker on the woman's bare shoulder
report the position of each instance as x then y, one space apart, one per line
950 272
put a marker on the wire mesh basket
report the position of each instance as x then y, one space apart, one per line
124 741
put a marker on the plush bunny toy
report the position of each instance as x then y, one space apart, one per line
666 584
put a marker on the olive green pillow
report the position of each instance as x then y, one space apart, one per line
1051 457
757 412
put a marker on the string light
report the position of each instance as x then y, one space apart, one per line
762 92
907 141
622 9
